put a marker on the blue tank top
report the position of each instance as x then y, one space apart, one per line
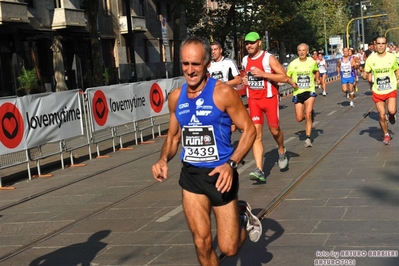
206 130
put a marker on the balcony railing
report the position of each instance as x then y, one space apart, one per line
66 17
138 24
13 12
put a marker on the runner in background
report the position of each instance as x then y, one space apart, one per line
355 56
362 59
303 72
322 65
263 72
314 55
224 69
368 52
345 66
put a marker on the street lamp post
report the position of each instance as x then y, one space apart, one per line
388 30
363 6
350 21
361 15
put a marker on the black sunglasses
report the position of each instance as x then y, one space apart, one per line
250 42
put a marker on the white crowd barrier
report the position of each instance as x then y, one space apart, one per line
34 127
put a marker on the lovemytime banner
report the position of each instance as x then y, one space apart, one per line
37 119
123 103
52 117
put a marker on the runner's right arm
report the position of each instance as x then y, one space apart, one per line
171 144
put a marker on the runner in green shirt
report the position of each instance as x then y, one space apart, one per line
303 72
385 70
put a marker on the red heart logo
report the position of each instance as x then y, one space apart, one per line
100 107
156 97
9 125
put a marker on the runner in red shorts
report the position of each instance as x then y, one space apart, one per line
262 74
385 70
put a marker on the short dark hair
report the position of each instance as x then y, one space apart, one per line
216 43
198 40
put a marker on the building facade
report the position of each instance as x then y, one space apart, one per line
29 29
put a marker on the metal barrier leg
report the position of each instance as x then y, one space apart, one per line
62 148
98 152
72 163
62 160
5 188
39 173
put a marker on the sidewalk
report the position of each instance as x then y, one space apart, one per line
349 201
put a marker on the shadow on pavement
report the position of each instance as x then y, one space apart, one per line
76 254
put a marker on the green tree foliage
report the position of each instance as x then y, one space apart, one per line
288 22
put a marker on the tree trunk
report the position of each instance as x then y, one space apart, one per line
91 7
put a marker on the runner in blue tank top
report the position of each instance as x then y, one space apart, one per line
201 113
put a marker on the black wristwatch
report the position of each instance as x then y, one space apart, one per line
233 164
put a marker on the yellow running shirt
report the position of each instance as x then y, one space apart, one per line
383 70
302 73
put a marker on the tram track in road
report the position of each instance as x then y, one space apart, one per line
55 188
265 212
83 218
285 192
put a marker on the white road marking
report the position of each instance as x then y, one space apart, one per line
330 113
170 214
289 139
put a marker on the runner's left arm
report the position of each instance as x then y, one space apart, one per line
227 99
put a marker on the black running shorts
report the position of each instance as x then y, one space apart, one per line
302 97
196 180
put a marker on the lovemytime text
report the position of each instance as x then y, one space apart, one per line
128 104
57 118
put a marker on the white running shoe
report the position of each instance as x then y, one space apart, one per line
352 104
282 160
253 224
308 143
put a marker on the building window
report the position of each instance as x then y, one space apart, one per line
107 7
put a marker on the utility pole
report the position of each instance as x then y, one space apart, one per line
325 31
